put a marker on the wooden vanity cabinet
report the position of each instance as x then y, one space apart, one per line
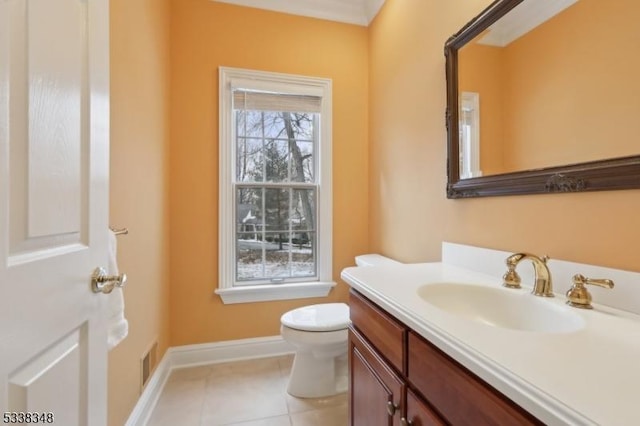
399 378
459 395
378 393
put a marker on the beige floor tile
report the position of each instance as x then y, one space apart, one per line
191 373
243 391
298 405
285 362
246 393
238 405
180 403
271 421
331 416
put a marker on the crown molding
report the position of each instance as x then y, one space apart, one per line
372 7
357 12
522 19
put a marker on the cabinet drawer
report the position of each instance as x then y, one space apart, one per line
387 334
460 397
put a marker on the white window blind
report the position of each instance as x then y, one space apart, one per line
263 101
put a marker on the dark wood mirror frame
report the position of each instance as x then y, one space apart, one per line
601 175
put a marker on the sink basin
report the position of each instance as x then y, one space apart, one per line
498 307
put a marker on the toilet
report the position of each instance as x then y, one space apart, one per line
319 334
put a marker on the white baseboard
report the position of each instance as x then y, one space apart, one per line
151 393
202 354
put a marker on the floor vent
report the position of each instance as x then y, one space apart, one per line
148 363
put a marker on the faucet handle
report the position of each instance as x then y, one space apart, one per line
578 296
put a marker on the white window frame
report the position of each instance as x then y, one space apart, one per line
230 78
470 142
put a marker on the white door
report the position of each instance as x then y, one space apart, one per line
54 147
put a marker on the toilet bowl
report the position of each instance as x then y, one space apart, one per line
319 334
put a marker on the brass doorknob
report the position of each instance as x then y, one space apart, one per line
103 283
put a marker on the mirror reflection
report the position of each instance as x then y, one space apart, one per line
553 82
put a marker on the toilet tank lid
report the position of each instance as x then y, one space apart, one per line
321 317
374 259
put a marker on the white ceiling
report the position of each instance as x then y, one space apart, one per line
522 19
358 12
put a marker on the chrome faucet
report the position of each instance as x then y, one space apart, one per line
542 285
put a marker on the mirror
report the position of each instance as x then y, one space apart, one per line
543 96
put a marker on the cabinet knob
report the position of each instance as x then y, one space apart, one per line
391 408
405 422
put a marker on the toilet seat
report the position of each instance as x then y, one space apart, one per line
321 317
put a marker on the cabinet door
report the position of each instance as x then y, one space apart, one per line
375 389
419 413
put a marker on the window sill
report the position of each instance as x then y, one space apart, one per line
264 293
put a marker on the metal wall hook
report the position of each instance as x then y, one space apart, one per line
121 231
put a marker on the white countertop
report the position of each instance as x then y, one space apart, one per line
590 376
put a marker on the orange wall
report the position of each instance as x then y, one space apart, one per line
538 93
139 187
409 213
489 83
204 36
552 100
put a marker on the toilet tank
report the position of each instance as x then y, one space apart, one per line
374 259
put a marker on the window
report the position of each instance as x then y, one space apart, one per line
275 186
469 135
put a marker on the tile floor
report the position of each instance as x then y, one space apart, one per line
245 393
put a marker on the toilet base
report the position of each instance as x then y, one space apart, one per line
320 334
313 377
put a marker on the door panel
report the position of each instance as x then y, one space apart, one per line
370 396
59 364
376 391
55 135
419 413
54 157
49 118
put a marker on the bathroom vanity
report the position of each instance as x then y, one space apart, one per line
445 343
391 366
